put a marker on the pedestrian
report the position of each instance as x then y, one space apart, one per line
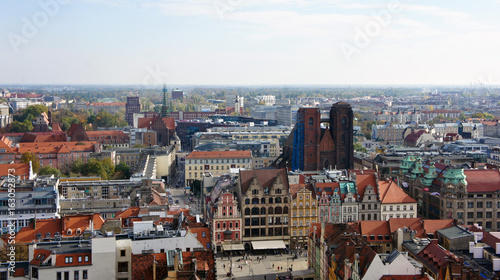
273 265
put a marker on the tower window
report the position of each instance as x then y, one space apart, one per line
311 121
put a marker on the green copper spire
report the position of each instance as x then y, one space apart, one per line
164 107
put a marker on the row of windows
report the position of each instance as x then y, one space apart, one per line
206 161
479 215
271 210
230 225
76 275
301 223
266 221
80 258
256 200
302 205
398 208
256 232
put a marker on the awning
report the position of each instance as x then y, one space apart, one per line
262 245
232 247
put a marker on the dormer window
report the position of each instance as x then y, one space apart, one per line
69 232
78 231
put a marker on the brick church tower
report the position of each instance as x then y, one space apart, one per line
306 139
342 132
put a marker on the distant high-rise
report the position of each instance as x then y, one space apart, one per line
133 106
164 106
177 94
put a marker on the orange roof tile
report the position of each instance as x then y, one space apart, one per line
390 192
432 226
378 229
483 180
363 180
219 154
6 143
56 147
130 212
20 169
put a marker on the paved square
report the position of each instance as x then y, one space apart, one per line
266 268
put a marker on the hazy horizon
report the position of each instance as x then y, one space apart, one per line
335 43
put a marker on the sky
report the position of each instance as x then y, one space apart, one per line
250 42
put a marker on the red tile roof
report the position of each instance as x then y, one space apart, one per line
363 180
20 169
28 234
130 212
376 230
413 137
6 143
390 192
219 154
490 239
56 147
198 232
265 177
142 266
39 256
145 123
435 257
482 180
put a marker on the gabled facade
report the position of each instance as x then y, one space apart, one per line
304 213
395 202
226 223
264 200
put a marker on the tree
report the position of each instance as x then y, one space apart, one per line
123 168
196 187
35 163
17 126
49 170
358 147
34 111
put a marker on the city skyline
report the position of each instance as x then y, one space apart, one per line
238 42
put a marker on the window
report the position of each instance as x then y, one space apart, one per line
68 259
479 204
66 275
87 258
122 266
122 253
79 259
479 215
59 276
470 204
84 274
489 214
76 274
311 121
489 204
470 215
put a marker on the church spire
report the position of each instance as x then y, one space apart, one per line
164 107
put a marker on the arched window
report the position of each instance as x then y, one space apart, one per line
247 201
263 210
218 225
277 200
311 121
278 210
255 200
255 211
285 210
69 232
270 210
285 200
247 211
270 200
263 201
